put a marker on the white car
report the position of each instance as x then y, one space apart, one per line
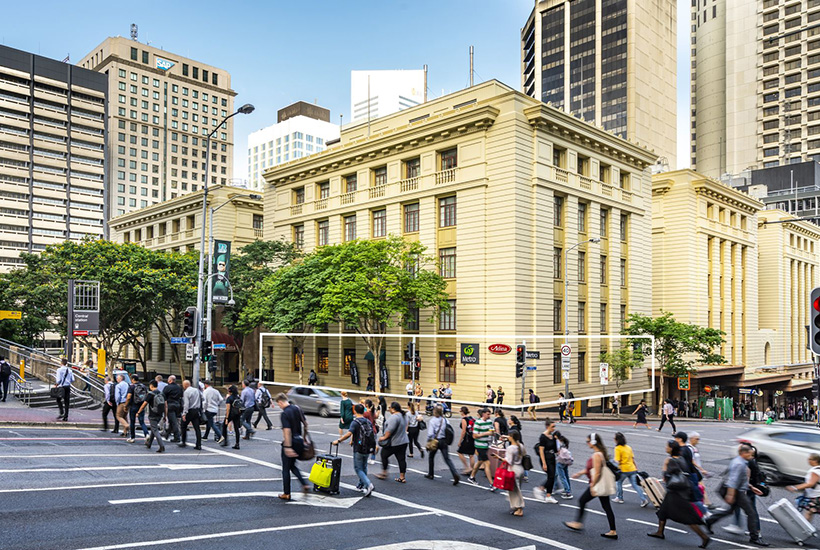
783 451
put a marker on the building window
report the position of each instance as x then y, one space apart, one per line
558 211
602 320
350 228
447 367
582 217
258 222
556 263
134 54
556 315
625 180
299 236
447 212
299 196
447 262
324 190
411 218
145 57
603 270
350 183
380 176
559 157
556 368
604 221
323 233
582 317
321 360
447 319
380 223
582 267
624 227
604 171
411 321
412 168
350 358
184 69
623 316
582 366
623 271
448 159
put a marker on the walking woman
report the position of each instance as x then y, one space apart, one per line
466 443
809 503
232 415
547 447
640 415
345 414
563 460
437 442
413 429
513 457
677 504
625 458
601 485
372 414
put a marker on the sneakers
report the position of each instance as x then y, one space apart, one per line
644 503
550 500
221 439
567 496
618 500
734 529
129 440
472 481
540 494
369 490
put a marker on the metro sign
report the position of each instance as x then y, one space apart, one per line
499 349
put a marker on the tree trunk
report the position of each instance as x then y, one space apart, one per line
660 393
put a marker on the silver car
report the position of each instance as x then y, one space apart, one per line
783 451
311 400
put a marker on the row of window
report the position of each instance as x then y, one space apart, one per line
584 168
583 209
603 320
175 88
193 72
558 273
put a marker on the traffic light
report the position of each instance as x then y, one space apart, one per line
814 323
417 363
207 350
212 364
191 319
520 360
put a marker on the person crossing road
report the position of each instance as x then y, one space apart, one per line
437 443
263 401
191 413
211 399
155 403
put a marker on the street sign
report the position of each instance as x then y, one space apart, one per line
533 354
11 315
684 382
565 364
744 391
707 389
604 374
180 340
531 368
406 363
566 351
565 375
469 354
220 346
189 352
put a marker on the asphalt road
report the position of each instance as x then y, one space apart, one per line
82 489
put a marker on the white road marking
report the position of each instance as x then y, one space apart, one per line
174 498
132 484
107 455
101 468
57 438
245 532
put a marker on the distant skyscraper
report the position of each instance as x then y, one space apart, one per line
52 154
302 129
388 92
162 108
613 62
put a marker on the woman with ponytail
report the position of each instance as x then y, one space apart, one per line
601 485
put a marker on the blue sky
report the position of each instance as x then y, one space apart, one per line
279 52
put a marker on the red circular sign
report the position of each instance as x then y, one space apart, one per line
500 349
707 389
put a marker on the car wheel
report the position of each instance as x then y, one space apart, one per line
324 412
768 467
448 413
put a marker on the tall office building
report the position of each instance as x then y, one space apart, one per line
755 84
374 94
162 108
52 153
612 62
302 129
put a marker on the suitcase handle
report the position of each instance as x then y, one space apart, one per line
330 451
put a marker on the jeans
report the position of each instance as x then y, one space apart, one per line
66 396
633 479
563 476
289 466
431 460
246 421
192 417
400 452
133 417
697 494
605 504
360 467
154 423
209 416
263 413
742 502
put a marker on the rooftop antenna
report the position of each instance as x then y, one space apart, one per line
425 83
472 51
133 31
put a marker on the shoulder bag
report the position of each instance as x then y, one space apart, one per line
308 449
606 483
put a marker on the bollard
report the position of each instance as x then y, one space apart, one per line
23 369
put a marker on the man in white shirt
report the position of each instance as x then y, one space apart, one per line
211 401
191 411
263 401
64 379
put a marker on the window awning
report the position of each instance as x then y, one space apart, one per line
223 338
370 357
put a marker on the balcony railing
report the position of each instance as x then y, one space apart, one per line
606 190
410 184
320 204
348 198
258 232
561 175
377 192
296 209
586 183
445 176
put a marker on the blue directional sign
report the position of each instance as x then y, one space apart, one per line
531 368
180 340
219 346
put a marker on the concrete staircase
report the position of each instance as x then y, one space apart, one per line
40 398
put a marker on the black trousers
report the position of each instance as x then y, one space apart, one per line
400 452
671 419
413 434
192 417
549 484
154 423
173 421
63 401
289 466
236 430
4 384
743 502
107 408
431 460
605 504
263 413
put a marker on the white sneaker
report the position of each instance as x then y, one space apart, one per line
369 490
550 500
618 500
734 529
644 503
371 461
129 440
539 493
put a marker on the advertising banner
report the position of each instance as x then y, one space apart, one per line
221 268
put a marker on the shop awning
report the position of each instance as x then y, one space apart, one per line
370 357
715 371
765 379
799 385
223 338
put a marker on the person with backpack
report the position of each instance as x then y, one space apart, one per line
5 375
372 414
534 400
293 444
413 430
312 378
155 403
191 413
500 425
233 413
563 460
263 401
133 402
466 443
482 437
440 436
364 443
173 406
546 450
394 442
211 399
490 394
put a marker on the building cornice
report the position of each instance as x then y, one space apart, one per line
722 193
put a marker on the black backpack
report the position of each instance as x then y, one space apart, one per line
5 368
140 391
449 434
265 400
237 407
367 437
492 395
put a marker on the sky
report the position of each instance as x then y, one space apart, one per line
279 52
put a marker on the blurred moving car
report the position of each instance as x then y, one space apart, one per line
311 400
782 451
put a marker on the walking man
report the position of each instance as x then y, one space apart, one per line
482 435
173 406
5 374
248 397
120 397
212 399
394 441
292 443
668 414
437 431
133 402
160 383
191 412
534 400
109 405
263 401
155 402
64 379
364 443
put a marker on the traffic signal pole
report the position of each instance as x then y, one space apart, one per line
524 374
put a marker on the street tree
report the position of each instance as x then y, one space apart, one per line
30 290
679 347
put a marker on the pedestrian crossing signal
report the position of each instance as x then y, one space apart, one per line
520 360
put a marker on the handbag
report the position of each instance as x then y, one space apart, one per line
526 462
614 468
432 444
504 478
56 392
606 484
320 474
308 449
422 425
678 482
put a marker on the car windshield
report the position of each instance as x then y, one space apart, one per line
331 393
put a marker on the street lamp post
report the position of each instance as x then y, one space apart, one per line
209 305
566 303
245 110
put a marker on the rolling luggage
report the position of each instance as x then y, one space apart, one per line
654 490
499 450
790 519
326 472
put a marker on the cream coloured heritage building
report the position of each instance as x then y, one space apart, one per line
497 186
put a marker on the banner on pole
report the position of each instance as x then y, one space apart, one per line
221 271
